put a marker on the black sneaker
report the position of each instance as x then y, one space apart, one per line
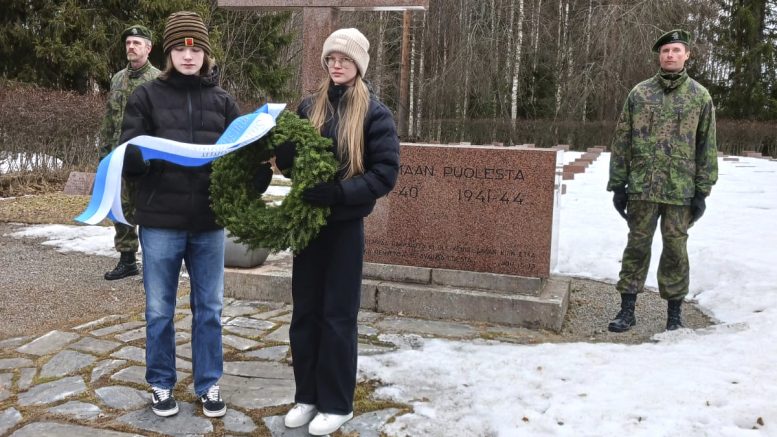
212 404
162 402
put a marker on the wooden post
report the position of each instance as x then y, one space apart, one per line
317 24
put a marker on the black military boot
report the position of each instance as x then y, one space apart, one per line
673 315
625 318
126 267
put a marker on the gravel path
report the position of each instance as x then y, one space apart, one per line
42 289
593 303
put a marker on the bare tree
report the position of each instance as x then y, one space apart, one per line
530 67
516 58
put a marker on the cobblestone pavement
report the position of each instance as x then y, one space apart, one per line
89 379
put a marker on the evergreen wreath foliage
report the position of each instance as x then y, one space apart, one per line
240 208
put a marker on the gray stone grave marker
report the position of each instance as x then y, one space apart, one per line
79 183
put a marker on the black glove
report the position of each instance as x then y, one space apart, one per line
262 177
323 194
134 165
284 155
620 199
103 151
698 205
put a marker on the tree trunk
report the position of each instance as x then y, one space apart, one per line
535 51
516 62
411 90
561 50
404 75
587 59
379 55
467 20
421 77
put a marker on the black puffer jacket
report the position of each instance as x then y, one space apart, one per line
189 109
381 157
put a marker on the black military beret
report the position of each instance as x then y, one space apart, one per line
676 35
137 30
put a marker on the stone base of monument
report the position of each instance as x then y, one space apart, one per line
429 293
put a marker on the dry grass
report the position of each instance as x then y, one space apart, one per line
35 182
48 208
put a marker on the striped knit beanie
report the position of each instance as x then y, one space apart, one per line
352 44
186 29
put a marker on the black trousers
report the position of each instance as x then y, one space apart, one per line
326 289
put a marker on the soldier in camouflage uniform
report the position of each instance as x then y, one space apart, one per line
137 42
663 164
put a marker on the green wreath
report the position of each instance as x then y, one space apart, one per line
240 208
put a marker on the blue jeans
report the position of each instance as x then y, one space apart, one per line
203 252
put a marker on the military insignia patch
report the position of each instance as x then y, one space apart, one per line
188 42
675 36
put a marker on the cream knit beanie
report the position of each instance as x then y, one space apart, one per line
352 44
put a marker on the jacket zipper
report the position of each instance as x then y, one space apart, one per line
191 122
151 197
191 137
650 124
646 187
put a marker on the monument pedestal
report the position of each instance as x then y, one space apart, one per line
429 293
467 233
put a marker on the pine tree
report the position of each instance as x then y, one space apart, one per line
251 44
748 51
76 44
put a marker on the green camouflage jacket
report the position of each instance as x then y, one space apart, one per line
123 84
664 148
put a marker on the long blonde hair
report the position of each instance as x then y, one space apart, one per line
350 131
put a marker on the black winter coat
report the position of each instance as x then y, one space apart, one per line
381 157
190 109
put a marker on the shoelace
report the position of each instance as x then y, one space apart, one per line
162 394
303 408
213 393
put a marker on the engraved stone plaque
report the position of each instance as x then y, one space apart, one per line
475 208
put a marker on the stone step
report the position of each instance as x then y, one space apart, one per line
484 281
545 311
543 308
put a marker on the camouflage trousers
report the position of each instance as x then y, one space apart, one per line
673 268
126 238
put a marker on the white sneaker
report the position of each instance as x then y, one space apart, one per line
325 423
300 414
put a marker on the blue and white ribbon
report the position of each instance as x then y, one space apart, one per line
106 195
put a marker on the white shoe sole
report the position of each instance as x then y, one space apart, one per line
218 413
165 413
329 430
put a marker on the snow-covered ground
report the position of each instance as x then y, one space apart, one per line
720 381
10 163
